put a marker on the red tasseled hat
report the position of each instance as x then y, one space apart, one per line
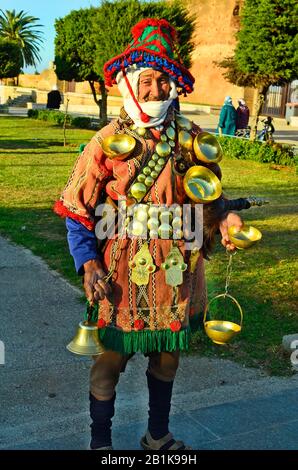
152 46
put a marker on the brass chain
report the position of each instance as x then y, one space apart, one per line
229 271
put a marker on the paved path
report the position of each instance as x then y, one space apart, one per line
44 389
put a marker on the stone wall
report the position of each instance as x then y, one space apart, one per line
44 81
216 24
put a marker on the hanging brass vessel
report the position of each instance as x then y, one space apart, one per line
201 184
183 122
118 146
207 148
244 238
86 341
222 331
185 140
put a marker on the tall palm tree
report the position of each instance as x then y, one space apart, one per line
20 27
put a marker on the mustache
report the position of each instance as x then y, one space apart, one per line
155 98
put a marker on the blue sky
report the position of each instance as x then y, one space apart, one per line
47 11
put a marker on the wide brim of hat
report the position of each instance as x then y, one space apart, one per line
148 58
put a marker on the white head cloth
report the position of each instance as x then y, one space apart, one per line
156 110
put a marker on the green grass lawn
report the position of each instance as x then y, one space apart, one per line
34 167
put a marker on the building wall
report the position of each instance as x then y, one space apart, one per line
44 81
217 21
216 24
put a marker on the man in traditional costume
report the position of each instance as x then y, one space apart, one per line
147 288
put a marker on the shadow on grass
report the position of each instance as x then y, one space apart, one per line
29 143
38 165
61 151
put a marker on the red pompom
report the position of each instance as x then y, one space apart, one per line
175 325
144 117
101 323
139 324
138 29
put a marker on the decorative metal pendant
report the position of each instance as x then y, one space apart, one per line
138 191
183 122
185 140
171 133
180 165
163 149
142 266
174 267
141 131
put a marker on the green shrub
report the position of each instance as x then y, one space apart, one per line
33 113
241 149
57 117
81 122
3 108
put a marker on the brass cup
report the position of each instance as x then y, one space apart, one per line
201 184
185 140
118 146
222 331
244 238
207 148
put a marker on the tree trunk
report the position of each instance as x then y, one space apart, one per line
104 103
261 93
64 123
101 103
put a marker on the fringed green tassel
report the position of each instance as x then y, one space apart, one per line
144 341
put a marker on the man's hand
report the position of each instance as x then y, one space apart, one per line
95 287
231 219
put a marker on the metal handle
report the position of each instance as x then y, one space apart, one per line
224 295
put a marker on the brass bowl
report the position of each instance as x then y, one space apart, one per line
201 184
222 331
118 146
244 238
207 148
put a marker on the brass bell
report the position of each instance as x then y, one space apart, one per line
86 341
118 146
207 148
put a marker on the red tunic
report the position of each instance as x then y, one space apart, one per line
151 317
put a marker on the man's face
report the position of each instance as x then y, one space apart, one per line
153 86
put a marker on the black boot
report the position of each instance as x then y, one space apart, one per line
160 394
101 413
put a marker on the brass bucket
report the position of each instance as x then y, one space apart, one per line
222 331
